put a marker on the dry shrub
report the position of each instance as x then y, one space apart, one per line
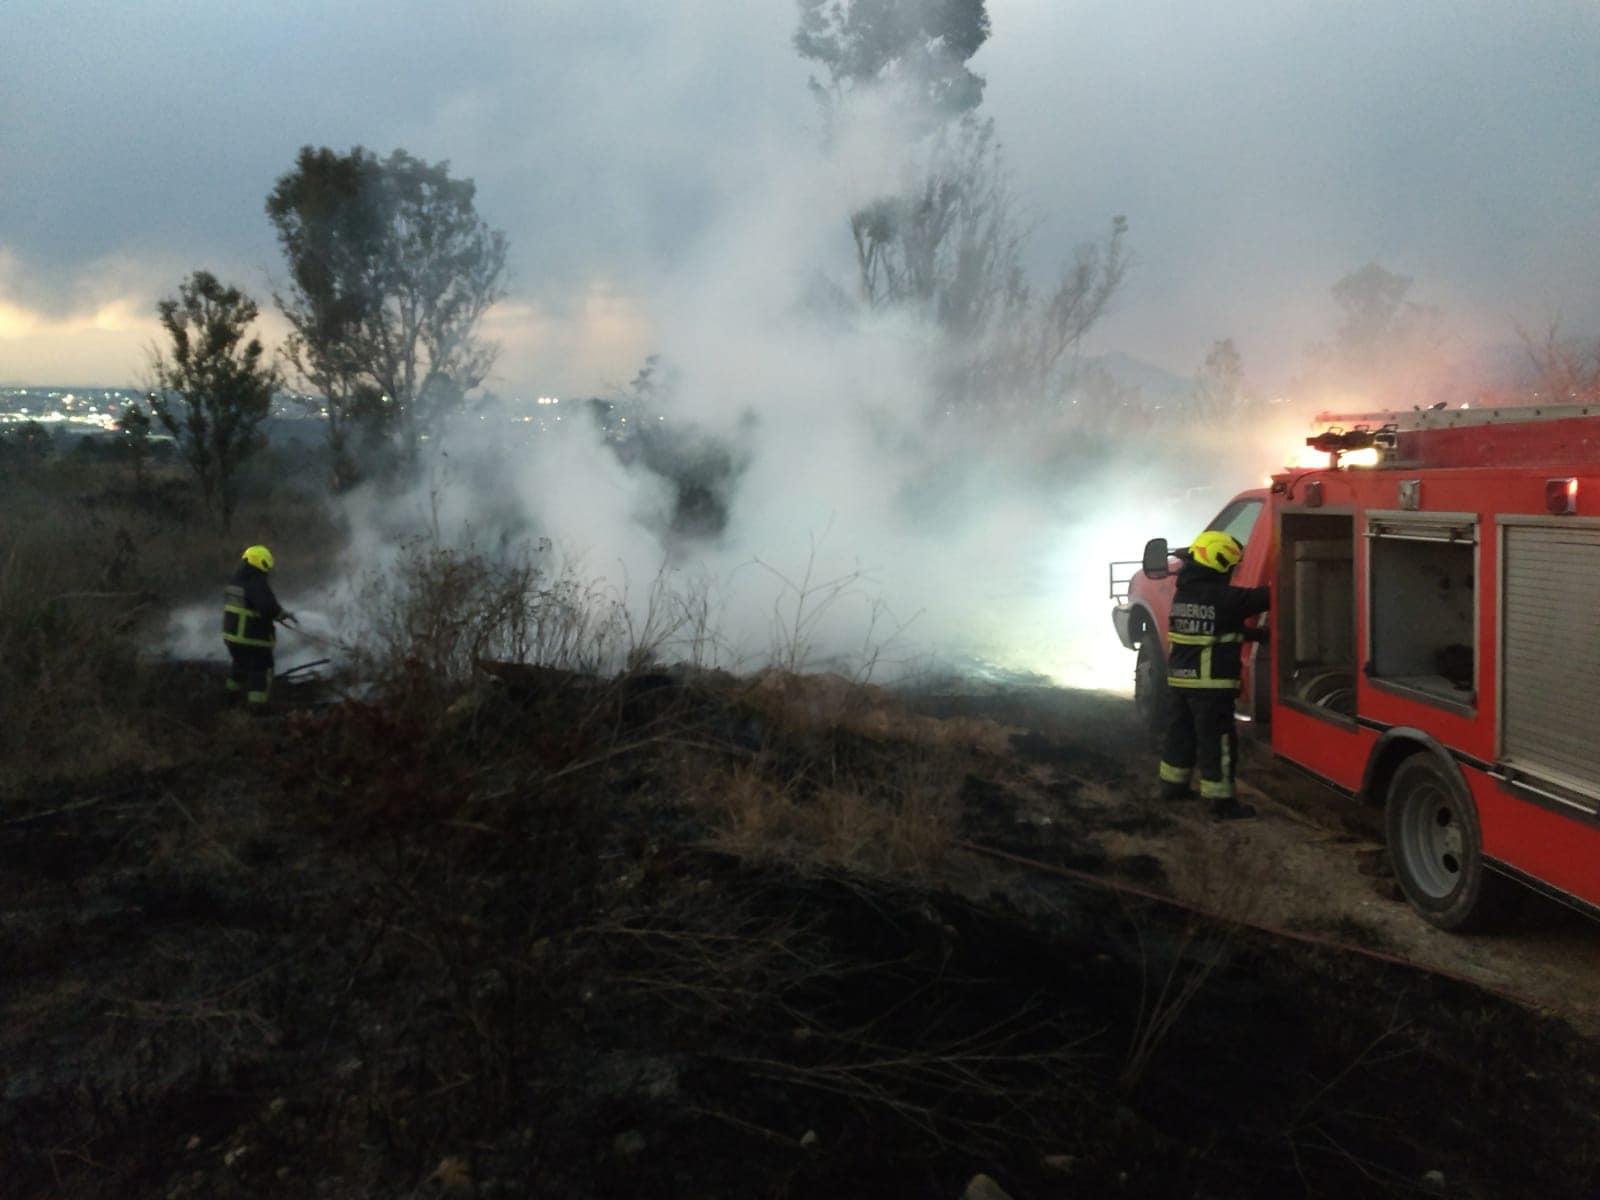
902 824
429 622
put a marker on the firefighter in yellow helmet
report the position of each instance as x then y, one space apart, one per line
1206 633
249 614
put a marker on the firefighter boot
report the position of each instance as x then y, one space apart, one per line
1174 793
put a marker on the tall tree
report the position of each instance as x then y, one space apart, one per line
133 429
1387 351
1219 384
213 393
949 244
391 271
920 47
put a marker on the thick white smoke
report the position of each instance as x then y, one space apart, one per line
856 519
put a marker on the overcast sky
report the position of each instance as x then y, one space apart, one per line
1259 148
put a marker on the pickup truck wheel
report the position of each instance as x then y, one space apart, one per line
1437 850
1150 686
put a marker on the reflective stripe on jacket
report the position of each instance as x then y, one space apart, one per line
1206 628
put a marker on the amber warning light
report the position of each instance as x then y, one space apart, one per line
1561 495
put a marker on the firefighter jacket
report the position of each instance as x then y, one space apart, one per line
1206 629
249 609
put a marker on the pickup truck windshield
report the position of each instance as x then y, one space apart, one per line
1238 520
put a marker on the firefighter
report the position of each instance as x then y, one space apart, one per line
249 613
1207 635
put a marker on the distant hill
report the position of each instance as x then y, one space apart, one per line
1153 382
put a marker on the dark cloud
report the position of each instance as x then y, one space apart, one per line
1260 149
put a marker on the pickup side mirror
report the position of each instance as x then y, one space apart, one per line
1155 558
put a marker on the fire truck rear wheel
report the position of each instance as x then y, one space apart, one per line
1150 686
1437 851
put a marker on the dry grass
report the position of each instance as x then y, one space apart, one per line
829 702
89 570
835 825
846 779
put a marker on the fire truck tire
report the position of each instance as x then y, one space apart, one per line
1150 687
1437 851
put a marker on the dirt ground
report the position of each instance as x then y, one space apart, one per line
1313 862
548 944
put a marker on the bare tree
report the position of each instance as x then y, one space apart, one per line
1561 368
953 249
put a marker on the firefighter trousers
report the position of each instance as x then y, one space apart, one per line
1200 733
251 672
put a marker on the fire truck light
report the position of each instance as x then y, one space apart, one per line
1561 496
1306 459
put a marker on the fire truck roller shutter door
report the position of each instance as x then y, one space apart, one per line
1551 652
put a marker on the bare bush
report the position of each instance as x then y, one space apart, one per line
806 606
449 608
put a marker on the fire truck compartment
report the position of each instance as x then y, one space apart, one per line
1423 595
1316 612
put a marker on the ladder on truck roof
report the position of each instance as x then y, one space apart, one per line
1508 436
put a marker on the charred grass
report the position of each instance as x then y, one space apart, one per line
525 928
676 933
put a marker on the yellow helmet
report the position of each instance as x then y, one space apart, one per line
1217 550
259 557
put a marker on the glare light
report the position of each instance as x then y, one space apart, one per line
1307 459
1361 458
1561 496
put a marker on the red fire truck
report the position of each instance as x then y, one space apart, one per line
1435 642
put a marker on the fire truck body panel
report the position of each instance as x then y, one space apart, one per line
1451 611
1552 851
1460 566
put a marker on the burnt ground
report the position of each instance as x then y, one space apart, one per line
512 949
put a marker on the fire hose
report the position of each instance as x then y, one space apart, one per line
332 644
315 639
